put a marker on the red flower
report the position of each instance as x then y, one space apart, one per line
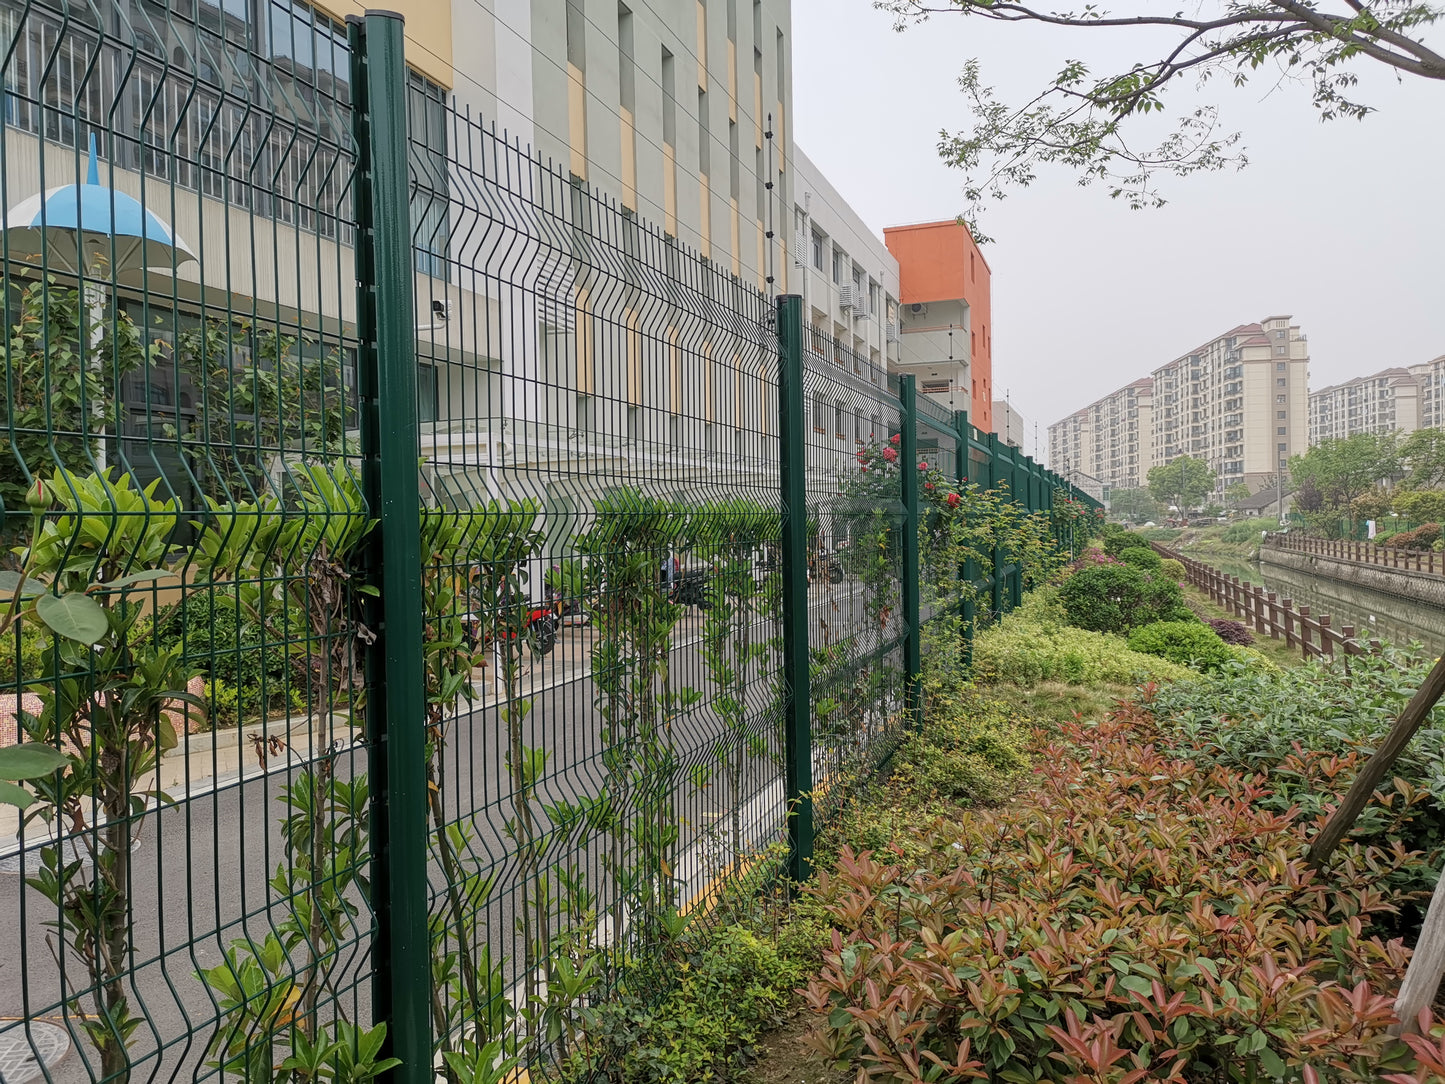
897 437
889 454
953 500
923 466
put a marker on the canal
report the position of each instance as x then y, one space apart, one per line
1385 617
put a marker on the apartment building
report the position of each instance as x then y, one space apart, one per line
1008 423
1240 402
1386 402
1430 377
945 327
1109 439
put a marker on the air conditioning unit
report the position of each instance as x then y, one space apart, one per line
891 332
847 298
860 302
800 248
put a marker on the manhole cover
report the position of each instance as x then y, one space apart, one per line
25 1057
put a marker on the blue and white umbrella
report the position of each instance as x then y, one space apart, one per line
82 227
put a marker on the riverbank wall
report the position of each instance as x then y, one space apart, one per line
1418 587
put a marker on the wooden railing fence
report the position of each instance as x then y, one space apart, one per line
1427 562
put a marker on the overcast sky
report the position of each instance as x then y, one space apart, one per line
1341 225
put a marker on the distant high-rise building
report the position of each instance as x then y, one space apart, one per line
1431 378
1240 402
1387 402
1108 439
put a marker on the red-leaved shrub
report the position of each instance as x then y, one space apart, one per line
1231 632
1421 538
1136 917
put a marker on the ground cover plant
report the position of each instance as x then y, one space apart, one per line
1189 643
1036 644
1141 913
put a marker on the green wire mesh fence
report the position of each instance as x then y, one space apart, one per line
431 583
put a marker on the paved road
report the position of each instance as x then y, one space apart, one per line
200 874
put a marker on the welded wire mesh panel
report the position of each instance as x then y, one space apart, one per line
855 547
600 457
184 887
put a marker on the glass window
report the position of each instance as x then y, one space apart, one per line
839 258
1280 431
426 393
817 250
1282 382
426 115
1279 366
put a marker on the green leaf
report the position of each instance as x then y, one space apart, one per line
11 580
141 577
74 616
19 797
30 761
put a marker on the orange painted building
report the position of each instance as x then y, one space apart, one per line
945 288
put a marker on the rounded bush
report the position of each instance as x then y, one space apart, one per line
1116 598
1188 643
1141 557
1115 544
1231 632
1173 569
1421 538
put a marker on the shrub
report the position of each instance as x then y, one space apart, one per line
1115 544
33 643
733 986
223 704
1231 632
1188 643
1115 598
219 640
1141 557
1035 644
1421 538
1238 533
1173 569
1088 934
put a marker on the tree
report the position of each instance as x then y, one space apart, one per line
1343 469
1080 119
1134 504
1423 454
1182 482
1236 494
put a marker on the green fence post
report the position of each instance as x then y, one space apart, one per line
995 475
912 573
970 566
1018 475
395 678
797 695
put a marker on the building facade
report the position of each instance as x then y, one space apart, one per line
1240 402
1108 439
1008 423
1386 402
945 324
1430 377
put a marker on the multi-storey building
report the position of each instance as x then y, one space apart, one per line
945 326
1108 439
1008 423
1387 402
1239 402
1430 377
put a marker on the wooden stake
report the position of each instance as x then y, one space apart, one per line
1410 720
1427 964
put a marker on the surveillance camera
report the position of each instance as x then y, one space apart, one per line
441 310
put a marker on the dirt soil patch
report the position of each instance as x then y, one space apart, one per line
784 1057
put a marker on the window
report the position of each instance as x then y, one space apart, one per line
427 149
1279 413
1282 382
839 258
818 419
1284 447
1281 431
817 250
1279 366
426 393
838 421
1280 350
